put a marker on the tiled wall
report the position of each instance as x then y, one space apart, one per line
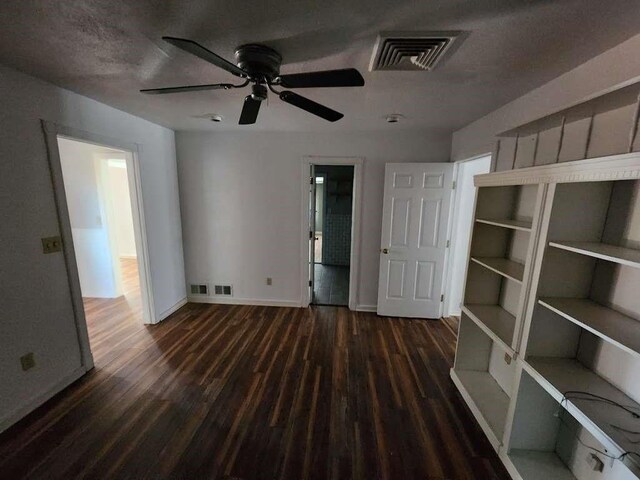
336 239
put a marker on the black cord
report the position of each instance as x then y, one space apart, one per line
575 434
599 398
595 397
624 430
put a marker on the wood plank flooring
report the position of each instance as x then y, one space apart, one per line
109 320
247 392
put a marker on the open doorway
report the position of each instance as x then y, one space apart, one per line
333 224
461 228
97 186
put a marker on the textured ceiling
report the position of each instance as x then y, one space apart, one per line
109 49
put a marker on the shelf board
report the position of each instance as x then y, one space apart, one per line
507 223
624 256
495 321
561 375
502 266
486 399
532 465
606 323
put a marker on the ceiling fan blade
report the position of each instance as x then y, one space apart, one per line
187 88
347 77
310 106
205 54
250 111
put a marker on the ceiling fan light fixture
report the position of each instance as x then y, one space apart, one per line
259 66
258 92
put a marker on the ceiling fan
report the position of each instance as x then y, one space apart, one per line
259 66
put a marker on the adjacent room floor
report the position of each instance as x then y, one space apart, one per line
331 285
248 392
108 319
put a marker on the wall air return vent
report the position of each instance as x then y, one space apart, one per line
410 50
199 289
223 290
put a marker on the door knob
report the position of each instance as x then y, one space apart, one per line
385 251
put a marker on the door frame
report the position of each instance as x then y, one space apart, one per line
324 202
453 217
356 213
51 132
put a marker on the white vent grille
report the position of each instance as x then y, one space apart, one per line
199 289
223 290
410 50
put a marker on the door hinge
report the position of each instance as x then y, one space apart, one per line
310 180
448 243
310 235
454 185
442 297
310 283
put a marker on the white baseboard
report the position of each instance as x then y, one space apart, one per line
366 308
242 301
179 304
38 400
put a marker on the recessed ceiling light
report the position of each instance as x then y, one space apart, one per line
394 117
214 117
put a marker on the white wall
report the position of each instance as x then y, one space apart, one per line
241 201
90 235
36 310
616 66
118 186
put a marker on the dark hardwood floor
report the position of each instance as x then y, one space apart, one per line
247 392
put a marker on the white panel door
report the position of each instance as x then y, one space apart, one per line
415 215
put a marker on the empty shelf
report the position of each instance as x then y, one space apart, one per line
502 266
533 465
613 326
494 320
507 223
486 397
603 251
562 375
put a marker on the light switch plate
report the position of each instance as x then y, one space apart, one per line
51 244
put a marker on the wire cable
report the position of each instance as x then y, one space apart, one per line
569 394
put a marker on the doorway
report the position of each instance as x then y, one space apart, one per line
98 184
333 215
461 227
331 230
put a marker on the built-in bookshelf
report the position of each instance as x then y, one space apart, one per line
548 354
501 248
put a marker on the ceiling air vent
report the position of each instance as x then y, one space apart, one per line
410 50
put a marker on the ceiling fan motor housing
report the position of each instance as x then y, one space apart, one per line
259 61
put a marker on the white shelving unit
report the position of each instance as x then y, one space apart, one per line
522 225
548 354
604 322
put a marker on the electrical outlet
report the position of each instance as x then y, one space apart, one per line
269 281
595 463
27 361
51 244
